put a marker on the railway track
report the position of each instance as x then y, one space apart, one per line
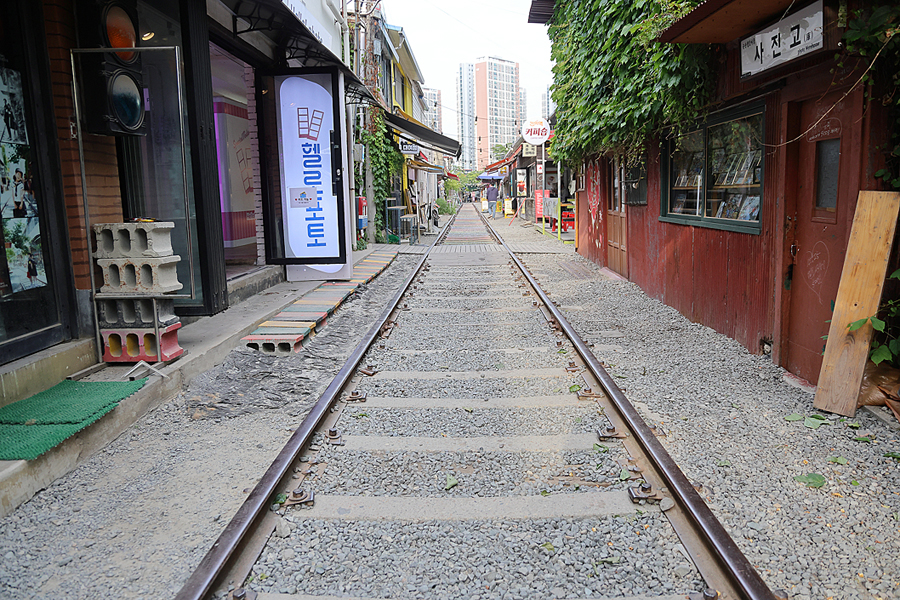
473 447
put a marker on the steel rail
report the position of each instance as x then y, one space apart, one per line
255 506
734 564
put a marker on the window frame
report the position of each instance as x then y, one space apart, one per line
701 220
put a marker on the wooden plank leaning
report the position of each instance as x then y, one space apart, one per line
858 297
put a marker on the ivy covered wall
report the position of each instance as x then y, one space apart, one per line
614 87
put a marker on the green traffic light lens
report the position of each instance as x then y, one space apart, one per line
127 100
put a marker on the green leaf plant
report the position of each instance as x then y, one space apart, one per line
614 86
886 341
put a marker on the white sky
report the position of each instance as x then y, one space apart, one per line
443 34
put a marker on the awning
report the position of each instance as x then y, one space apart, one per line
721 21
450 175
490 176
422 165
503 161
419 134
274 20
540 11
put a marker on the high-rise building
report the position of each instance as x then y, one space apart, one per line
547 104
465 115
497 98
523 109
433 113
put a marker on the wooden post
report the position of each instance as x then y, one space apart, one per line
858 297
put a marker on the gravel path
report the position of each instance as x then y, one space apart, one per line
724 410
135 519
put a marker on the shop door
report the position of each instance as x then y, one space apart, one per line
824 210
616 225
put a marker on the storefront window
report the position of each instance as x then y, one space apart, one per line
715 175
27 298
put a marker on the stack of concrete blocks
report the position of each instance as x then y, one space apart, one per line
137 259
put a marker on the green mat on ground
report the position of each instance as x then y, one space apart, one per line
30 427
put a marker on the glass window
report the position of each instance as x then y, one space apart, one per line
715 175
828 156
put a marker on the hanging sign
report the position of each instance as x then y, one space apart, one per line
789 39
311 210
299 10
529 150
408 148
536 131
540 167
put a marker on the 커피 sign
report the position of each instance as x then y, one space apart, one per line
536 131
311 215
789 39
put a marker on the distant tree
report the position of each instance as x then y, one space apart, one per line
499 151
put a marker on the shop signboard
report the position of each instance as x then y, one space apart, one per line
536 131
409 148
792 37
529 150
303 14
538 202
312 209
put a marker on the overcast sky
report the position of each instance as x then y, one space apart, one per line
443 34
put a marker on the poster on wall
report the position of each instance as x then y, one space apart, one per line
22 262
12 112
312 207
521 182
235 157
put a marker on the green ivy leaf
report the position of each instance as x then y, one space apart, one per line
793 417
863 438
837 459
813 480
857 324
548 547
894 455
452 482
601 448
877 323
624 474
574 388
881 354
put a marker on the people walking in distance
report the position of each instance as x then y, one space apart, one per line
492 199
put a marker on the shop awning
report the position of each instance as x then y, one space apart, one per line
541 11
426 166
721 21
490 176
419 134
274 20
503 161
450 175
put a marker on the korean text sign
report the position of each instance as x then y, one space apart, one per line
311 216
794 36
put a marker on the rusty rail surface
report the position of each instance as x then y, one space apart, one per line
217 559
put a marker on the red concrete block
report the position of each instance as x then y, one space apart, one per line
135 345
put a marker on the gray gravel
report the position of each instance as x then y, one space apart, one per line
476 421
470 388
724 409
477 559
135 519
485 474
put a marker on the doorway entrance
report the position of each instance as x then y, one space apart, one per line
825 202
616 222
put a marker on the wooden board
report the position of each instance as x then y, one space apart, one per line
858 297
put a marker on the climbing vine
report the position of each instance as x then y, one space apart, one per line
385 160
614 87
873 36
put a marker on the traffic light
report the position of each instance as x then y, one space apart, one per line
112 93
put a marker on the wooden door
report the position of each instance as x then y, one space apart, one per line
825 200
616 225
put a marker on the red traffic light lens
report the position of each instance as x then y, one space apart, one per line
126 100
121 32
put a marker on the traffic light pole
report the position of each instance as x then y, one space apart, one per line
84 191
